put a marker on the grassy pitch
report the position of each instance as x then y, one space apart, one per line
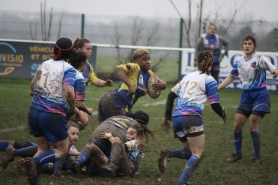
14 105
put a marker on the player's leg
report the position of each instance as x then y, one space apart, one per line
182 153
261 106
117 160
244 110
197 143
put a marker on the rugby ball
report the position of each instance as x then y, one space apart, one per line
152 93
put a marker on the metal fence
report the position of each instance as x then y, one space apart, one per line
139 31
127 30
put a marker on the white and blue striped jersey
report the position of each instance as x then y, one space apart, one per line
252 72
194 90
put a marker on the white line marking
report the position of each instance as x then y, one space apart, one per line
156 103
12 129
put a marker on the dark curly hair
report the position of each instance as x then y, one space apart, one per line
77 58
204 61
62 49
143 119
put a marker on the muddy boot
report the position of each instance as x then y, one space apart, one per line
163 159
118 159
9 156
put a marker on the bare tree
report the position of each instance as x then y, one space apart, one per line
203 17
45 32
137 31
116 40
187 26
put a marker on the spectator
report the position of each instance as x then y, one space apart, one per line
212 42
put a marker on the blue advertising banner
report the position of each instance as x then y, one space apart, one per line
21 59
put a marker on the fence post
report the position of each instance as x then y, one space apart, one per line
180 45
82 25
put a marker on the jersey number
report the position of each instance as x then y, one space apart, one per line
46 76
189 87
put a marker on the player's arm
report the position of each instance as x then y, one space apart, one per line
103 83
70 98
73 152
226 82
216 107
81 106
31 89
121 75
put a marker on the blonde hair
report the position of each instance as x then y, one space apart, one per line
139 52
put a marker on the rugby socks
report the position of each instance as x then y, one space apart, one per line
83 156
3 145
256 142
47 156
237 141
182 153
58 167
116 151
190 167
27 151
22 144
47 168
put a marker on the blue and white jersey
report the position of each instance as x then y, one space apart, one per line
194 90
79 87
211 43
51 79
134 154
252 72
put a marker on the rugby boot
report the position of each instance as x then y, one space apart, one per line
257 159
20 163
234 157
110 169
30 170
74 167
9 157
163 159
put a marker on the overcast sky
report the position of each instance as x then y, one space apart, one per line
265 10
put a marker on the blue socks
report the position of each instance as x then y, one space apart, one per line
181 153
190 167
47 156
238 141
83 156
256 142
3 146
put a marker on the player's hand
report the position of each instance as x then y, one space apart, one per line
160 85
108 82
90 110
275 73
166 125
131 91
224 115
106 135
31 92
